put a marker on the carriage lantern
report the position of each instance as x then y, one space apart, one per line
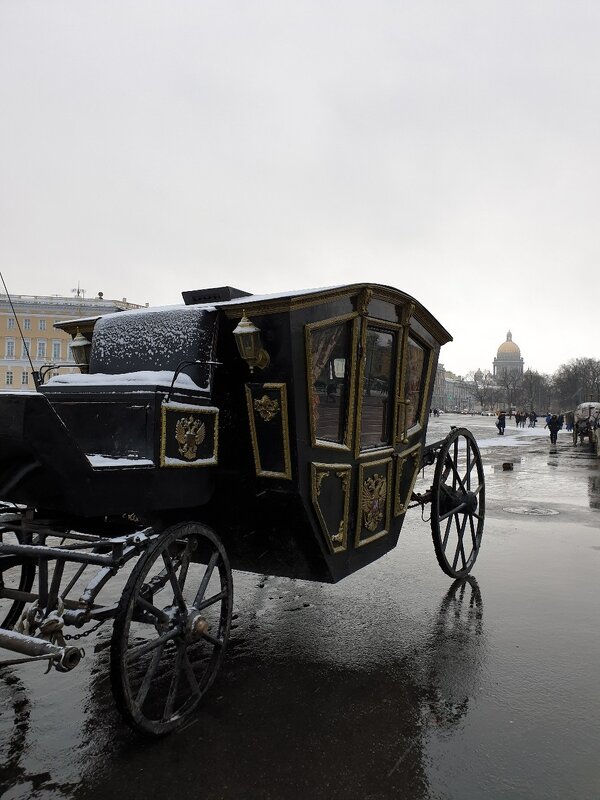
81 347
249 344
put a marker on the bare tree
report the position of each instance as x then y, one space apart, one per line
483 387
511 383
577 381
536 390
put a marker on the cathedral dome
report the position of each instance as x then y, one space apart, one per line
509 349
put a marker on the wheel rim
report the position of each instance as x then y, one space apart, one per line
16 573
458 504
171 629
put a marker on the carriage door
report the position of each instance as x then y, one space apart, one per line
376 423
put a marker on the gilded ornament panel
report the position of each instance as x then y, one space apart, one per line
189 435
374 490
330 493
269 429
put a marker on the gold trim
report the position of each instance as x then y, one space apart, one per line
394 296
358 542
267 408
337 542
287 460
393 328
426 398
185 409
363 300
346 445
386 451
401 402
401 458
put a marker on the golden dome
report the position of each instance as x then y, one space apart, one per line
509 348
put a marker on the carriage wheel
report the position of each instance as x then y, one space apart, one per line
171 629
16 573
458 503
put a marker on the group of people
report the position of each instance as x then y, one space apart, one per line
554 422
521 417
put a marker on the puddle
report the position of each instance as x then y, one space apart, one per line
534 511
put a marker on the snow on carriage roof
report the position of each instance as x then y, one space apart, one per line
143 377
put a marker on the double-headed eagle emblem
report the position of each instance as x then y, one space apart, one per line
190 434
374 494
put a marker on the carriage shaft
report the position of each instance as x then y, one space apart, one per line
51 553
65 657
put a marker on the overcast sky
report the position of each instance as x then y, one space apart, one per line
450 149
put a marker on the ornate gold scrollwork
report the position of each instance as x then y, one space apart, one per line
362 302
190 433
336 535
267 407
374 496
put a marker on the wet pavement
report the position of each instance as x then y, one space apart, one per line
393 683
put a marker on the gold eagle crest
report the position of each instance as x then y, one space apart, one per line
190 433
374 495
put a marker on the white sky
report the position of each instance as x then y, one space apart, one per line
449 149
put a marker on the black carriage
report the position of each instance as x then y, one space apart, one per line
586 423
277 434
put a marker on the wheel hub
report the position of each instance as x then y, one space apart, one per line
197 626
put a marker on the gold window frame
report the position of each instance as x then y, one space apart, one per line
394 328
346 445
402 432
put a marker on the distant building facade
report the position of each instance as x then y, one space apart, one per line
34 316
438 398
508 359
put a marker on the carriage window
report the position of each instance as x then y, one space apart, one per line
416 365
330 363
375 428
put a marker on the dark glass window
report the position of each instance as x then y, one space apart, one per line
415 380
330 357
377 388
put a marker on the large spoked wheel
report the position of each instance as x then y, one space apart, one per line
458 503
16 574
171 629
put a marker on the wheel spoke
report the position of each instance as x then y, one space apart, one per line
161 616
447 533
212 600
213 640
145 686
142 649
174 582
460 530
189 673
473 534
174 683
457 478
206 578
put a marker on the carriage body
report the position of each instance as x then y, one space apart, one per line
305 466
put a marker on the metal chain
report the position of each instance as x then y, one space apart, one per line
77 636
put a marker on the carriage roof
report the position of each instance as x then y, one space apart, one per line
233 302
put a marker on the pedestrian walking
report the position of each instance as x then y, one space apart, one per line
532 419
554 427
501 423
